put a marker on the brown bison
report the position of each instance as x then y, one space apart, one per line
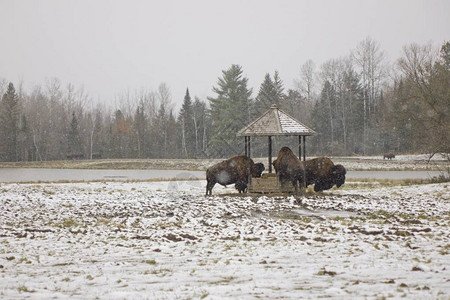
233 170
289 168
323 173
388 156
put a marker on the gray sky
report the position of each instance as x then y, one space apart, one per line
111 46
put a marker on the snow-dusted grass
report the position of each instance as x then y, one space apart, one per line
166 240
415 162
400 162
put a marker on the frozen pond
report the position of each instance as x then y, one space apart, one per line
51 175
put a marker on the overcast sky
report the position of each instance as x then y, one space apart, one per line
113 46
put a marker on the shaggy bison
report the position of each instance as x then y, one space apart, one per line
323 173
233 170
388 156
289 168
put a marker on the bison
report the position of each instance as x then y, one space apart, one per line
233 170
289 168
323 173
388 156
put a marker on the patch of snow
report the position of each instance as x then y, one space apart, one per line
160 240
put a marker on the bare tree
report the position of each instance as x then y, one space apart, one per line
307 79
430 90
3 86
370 62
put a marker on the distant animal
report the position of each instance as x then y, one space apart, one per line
323 173
388 156
96 155
289 168
236 170
75 156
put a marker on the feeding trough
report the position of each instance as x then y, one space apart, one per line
274 122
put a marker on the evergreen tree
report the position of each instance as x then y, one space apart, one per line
270 92
98 137
427 84
350 114
201 128
73 138
172 140
266 96
140 130
160 132
230 111
278 86
186 125
322 120
9 124
120 136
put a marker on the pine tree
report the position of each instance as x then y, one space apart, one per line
140 130
74 148
186 121
266 95
322 120
9 124
160 132
172 140
230 111
200 118
120 135
270 92
278 87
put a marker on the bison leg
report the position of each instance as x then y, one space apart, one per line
318 186
295 184
241 186
209 187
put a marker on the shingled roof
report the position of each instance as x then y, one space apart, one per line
275 122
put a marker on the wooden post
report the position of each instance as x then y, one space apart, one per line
270 154
300 147
304 148
245 145
249 147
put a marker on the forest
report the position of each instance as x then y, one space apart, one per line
359 104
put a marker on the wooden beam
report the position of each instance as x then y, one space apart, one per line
249 146
270 154
245 145
304 148
300 147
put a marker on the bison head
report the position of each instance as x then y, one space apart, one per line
337 174
276 165
257 170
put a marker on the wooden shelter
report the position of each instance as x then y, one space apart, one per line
274 122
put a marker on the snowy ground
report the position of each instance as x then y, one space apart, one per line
166 240
400 162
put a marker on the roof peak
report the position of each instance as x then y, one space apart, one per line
276 123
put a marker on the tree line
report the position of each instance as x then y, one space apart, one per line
358 104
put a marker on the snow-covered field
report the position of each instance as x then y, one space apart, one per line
400 162
166 240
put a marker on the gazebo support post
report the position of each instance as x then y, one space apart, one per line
304 148
245 145
249 146
300 147
270 154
